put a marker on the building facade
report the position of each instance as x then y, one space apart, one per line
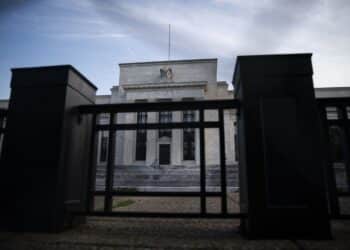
165 82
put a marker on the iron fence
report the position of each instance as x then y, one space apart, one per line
335 117
335 114
112 128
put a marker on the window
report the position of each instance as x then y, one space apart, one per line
142 117
141 136
189 136
188 145
165 117
188 116
103 147
141 139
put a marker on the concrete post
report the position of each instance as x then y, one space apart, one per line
46 149
281 155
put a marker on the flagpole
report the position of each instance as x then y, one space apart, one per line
169 44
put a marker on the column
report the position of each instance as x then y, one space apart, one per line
46 149
176 147
152 137
281 155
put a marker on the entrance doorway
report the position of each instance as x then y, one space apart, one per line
164 154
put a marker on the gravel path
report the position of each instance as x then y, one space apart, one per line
170 234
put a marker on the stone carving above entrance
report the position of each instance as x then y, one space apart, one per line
166 73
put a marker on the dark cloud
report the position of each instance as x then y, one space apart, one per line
7 6
226 28
140 27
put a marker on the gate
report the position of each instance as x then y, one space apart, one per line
113 127
335 113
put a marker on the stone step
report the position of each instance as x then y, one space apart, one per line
141 177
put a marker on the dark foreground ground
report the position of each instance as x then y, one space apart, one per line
138 233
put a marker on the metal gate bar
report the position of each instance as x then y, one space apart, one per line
92 164
329 172
165 215
202 164
157 194
110 166
222 162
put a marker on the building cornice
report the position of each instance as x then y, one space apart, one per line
172 62
165 85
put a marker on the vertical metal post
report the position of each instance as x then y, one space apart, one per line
222 162
110 166
202 163
92 167
330 176
342 114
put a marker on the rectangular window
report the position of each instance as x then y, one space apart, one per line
103 147
189 146
142 117
141 139
165 117
141 136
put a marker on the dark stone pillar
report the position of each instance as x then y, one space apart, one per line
46 148
280 148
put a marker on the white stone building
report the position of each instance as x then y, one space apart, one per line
168 81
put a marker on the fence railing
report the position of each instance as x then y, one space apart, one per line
112 127
3 116
335 117
335 114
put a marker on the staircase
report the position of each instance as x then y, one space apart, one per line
167 178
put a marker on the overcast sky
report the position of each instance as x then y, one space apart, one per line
95 36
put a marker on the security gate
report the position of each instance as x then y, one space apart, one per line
113 110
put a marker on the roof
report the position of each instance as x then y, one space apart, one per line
59 66
205 60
